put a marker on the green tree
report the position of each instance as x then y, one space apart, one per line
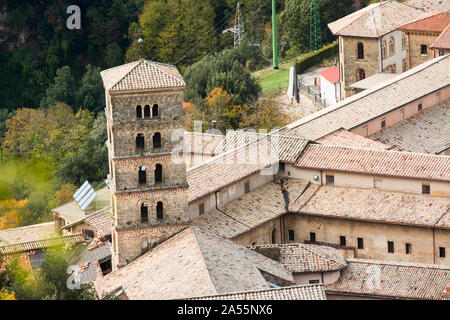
62 89
91 94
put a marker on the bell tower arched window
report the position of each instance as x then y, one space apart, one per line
360 50
147 111
144 212
159 210
157 140
155 111
142 175
139 112
140 142
158 173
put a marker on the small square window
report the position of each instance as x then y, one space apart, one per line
419 107
312 236
342 241
423 49
314 281
247 187
408 248
291 235
383 123
425 189
360 243
201 209
441 252
330 179
390 246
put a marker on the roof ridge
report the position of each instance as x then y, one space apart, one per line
29 226
139 62
400 263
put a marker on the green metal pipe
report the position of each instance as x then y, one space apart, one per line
274 35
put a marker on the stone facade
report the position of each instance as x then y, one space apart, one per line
415 41
350 65
148 184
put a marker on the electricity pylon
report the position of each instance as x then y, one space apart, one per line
238 28
315 39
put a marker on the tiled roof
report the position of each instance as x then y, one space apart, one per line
344 138
429 21
443 41
377 206
373 80
251 210
372 103
299 258
142 75
42 244
234 165
430 5
376 162
102 221
201 143
427 132
33 232
88 259
391 280
331 74
301 292
374 21
235 139
193 264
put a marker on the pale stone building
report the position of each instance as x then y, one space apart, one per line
369 42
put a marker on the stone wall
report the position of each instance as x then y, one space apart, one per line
415 40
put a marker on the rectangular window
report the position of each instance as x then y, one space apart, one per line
383 123
419 107
390 246
88 234
291 235
441 252
423 49
408 248
360 243
312 236
426 189
201 209
441 53
329 179
247 187
342 241
314 281
282 167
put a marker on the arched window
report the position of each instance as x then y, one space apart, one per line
155 111
360 50
403 41
383 49
274 234
159 210
142 175
157 140
360 74
158 173
145 246
139 112
147 111
404 65
140 142
144 212
391 46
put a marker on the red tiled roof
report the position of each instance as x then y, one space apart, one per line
331 74
443 41
376 162
430 21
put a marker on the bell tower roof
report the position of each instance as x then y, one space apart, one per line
142 75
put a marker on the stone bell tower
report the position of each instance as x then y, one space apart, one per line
148 180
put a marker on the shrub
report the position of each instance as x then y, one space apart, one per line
316 57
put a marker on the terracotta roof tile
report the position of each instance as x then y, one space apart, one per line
302 292
376 162
429 21
30 233
430 5
443 41
344 138
391 279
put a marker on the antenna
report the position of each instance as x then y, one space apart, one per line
238 28
84 195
